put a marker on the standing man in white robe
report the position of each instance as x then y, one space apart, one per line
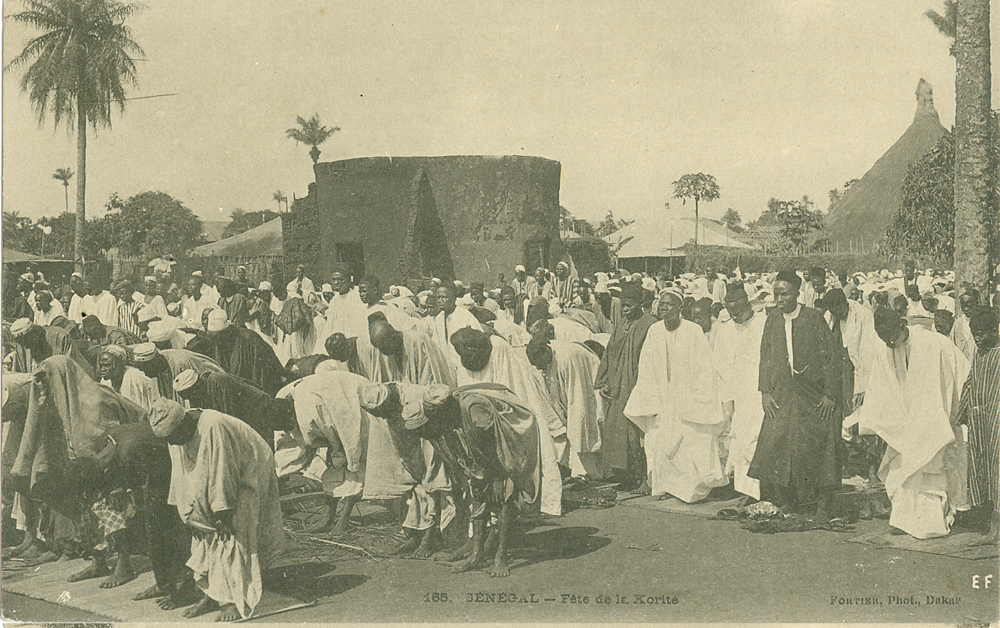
450 318
911 403
225 487
345 313
675 402
737 351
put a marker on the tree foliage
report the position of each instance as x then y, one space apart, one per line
580 226
797 219
243 221
925 220
311 132
733 220
700 187
946 22
610 224
150 224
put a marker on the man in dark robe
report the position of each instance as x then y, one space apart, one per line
101 335
233 301
245 354
164 366
979 408
238 398
798 452
33 344
616 377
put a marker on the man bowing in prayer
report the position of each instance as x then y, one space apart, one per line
225 487
568 369
675 402
800 384
912 397
621 447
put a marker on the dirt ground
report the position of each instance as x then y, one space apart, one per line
628 564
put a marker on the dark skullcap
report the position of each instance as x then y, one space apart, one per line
477 284
735 292
887 321
538 310
790 277
341 268
377 315
336 346
538 350
832 298
983 319
473 347
632 290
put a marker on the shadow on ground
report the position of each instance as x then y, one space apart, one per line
311 581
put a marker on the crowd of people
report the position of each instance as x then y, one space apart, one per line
165 421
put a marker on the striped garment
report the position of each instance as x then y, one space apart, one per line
979 408
127 317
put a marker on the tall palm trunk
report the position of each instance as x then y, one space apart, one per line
696 220
973 174
81 183
66 190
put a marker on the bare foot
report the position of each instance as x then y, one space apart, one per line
94 570
470 564
32 551
228 612
46 557
643 489
427 546
17 551
459 554
205 605
406 547
663 497
119 577
151 593
500 569
184 595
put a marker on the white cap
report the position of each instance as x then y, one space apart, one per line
185 380
265 286
326 288
519 269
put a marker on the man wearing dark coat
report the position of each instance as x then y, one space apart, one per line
615 379
798 452
245 354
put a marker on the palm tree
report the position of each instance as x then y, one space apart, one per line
700 187
975 207
279 197
312 133
79 65
947 23
64 175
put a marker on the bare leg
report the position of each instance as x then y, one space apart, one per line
331 514
98 568
228 612
411 543
477 558
429 544
123 571
501 568
459 554
205 605
182 594
992 535
153 592
345 515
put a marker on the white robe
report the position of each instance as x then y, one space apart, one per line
570 382
138 388
104 306
228 466
458 319
76 306
329 413
346 314
45 319
509 369
924 468
675 402
737 351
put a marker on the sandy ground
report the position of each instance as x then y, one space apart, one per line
685 569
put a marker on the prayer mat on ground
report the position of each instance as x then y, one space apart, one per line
707 509
48 582
957 544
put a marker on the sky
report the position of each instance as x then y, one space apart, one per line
778 98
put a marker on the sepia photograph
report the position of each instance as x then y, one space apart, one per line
484 311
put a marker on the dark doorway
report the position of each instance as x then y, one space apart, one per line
353 255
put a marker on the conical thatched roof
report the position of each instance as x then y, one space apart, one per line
861 218
265 239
